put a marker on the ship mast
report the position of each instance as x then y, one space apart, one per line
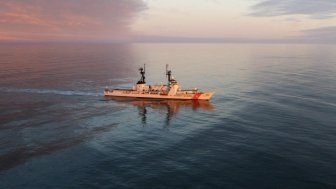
168 74
142 72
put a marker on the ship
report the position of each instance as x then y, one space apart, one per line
170 91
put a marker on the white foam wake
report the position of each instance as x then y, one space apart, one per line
49 91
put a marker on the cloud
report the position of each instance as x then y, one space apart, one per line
317 9
68 19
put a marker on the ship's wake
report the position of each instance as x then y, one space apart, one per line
48 91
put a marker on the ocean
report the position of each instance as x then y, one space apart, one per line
271 123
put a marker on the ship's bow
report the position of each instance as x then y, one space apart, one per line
206 96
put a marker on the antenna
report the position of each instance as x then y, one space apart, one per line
142 72
168 74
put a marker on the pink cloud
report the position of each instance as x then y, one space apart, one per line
68 19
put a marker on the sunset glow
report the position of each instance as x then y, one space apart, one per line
198 19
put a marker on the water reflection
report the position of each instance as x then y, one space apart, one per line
171 107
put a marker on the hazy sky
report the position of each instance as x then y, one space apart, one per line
226 20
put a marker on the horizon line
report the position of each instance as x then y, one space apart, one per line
168 39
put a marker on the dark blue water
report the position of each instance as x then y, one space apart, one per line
271 123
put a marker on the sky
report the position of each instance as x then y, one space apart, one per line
169 20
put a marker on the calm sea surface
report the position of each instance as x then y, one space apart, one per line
271 123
